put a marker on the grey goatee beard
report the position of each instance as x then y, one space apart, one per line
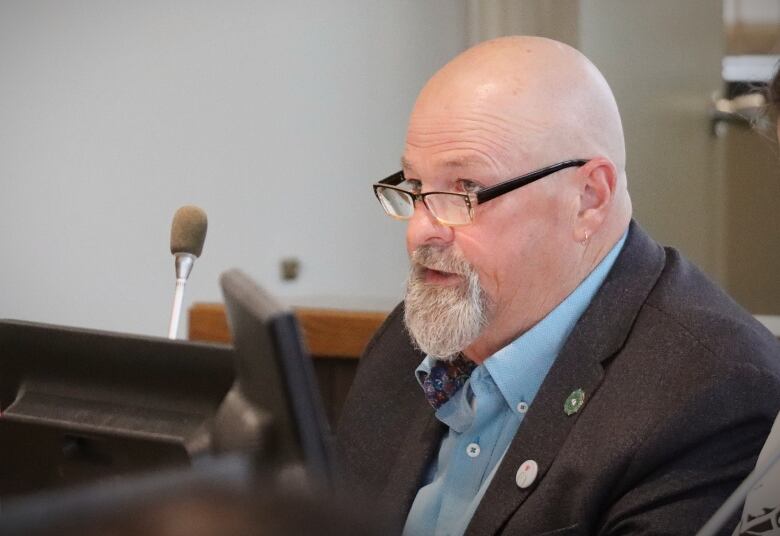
443 320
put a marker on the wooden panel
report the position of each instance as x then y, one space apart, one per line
208 323
327 332
334 333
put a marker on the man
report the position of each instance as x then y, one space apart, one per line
552 369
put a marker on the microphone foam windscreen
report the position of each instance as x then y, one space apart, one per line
188 231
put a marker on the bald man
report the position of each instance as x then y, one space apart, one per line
552 370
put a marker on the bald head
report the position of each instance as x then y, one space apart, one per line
546 100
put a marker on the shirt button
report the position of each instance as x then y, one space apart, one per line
522 407
472 450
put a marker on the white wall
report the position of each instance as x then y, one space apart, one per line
273 116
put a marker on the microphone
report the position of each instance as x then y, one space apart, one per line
188 233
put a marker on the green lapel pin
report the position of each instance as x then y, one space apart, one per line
574 402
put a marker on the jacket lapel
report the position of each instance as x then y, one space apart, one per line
598 335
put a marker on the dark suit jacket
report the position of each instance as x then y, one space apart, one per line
681 388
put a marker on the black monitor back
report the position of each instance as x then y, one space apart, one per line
81 405
274 372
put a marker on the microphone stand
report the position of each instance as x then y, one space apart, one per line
184 264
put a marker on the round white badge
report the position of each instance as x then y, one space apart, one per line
526 474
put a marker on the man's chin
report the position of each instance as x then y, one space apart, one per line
439 333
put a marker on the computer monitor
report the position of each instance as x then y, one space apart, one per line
80 405
274 372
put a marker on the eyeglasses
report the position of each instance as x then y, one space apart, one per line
449 208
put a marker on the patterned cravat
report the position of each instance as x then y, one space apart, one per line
445 378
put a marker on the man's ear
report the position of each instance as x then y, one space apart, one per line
598 181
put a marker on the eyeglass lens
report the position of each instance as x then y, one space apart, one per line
396 203
447 208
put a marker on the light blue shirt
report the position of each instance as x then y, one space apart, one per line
484 415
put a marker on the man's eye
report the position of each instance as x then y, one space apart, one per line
468 186
412 185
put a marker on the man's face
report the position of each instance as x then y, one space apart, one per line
508 260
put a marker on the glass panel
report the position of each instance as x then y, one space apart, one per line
396 203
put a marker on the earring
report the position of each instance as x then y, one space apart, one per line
585 240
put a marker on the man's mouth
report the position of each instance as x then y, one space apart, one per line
438 277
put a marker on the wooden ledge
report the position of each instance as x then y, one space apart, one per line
326 332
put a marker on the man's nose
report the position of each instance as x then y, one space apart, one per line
424 229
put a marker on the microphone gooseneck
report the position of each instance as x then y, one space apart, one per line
188 233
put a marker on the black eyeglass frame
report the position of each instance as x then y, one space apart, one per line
482 196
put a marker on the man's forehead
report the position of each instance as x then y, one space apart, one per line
453 162
474 135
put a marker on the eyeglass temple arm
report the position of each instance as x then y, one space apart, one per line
499 189
394 179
